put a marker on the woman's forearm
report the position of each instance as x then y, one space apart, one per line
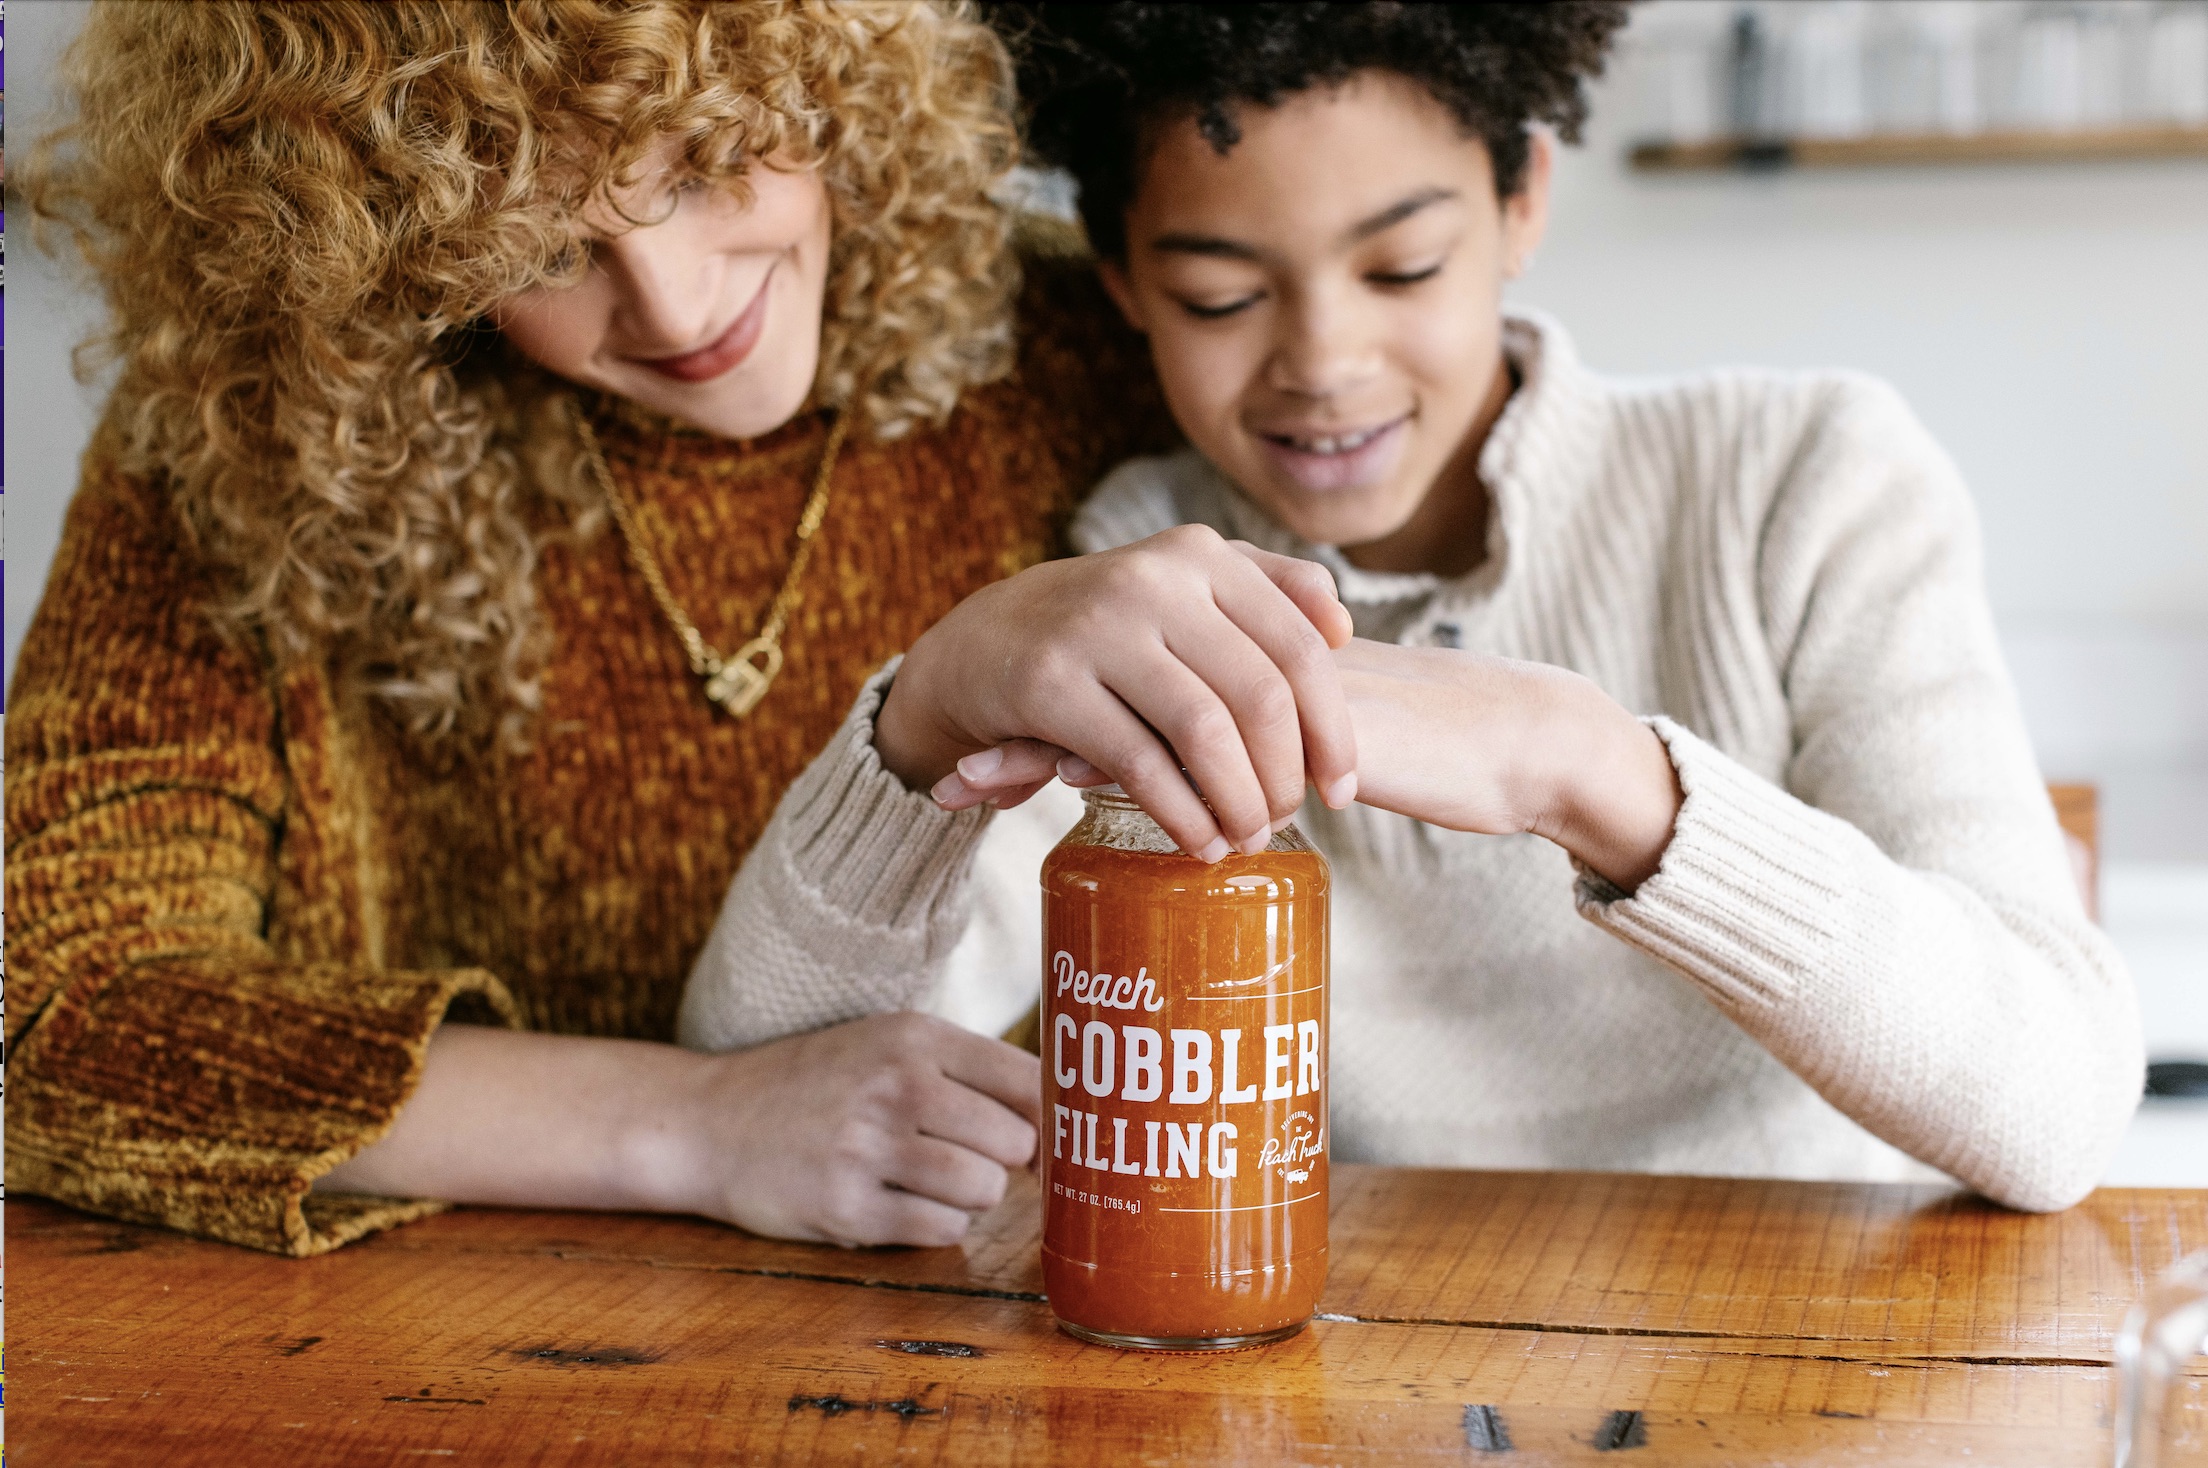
534 1120
893 1129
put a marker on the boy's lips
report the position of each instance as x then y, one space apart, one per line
724 351
1352 459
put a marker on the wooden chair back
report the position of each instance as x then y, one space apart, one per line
2078 808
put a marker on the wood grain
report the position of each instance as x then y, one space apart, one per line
1741 1321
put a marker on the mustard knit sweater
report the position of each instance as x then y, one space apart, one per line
240 900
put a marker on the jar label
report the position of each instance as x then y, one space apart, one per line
1107 1076
1184 1076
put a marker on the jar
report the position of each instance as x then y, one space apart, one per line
1184 1039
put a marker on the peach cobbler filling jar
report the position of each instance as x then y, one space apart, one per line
1184 1045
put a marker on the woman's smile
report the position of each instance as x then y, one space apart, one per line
659 316
724 351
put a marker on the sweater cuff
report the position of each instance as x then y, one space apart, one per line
860 841
207 1095
1744 899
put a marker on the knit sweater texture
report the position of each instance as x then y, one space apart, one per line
1864 950
241 899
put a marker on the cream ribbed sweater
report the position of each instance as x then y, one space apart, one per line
1864 940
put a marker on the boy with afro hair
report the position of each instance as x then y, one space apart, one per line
1695 825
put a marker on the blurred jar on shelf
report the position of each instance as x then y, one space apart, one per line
2176 63
1668 73
1822 92
1691 70
1921 67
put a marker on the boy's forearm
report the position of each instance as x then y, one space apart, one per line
1613 795
1492 745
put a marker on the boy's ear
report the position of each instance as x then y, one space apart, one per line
1526 213
1122 292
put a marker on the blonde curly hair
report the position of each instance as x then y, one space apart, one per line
300 216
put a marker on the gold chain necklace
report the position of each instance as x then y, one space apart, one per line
738 683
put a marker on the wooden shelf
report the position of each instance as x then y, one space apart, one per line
1905 149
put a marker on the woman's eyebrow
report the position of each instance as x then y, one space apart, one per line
1218 247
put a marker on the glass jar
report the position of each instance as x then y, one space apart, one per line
1184 1043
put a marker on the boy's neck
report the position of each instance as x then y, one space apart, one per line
1447 534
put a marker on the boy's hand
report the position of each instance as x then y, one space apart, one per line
1499 746
1468 742
1183 650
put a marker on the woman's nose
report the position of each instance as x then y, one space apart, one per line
664 300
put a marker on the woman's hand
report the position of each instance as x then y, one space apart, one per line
1490 744
1183 650
894 1129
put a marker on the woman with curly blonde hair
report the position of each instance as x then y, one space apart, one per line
535 428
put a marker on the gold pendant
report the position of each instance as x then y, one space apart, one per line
738 684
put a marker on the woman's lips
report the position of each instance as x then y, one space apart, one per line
724 352
1321 463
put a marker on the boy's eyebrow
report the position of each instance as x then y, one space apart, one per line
1399 211
1218 248
1204 244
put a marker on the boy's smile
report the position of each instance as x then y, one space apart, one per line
1323 304
1331 460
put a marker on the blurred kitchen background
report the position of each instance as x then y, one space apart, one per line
2001 206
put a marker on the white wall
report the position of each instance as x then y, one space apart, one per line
2050 323
48 415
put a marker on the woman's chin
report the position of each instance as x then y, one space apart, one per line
728 407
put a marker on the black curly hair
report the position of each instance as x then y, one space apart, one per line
1095 76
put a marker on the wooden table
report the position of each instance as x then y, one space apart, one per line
1567 1315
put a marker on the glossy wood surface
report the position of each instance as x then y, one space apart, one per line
1568 1316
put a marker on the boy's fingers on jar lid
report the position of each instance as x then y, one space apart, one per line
1125 750
953 793
1198 731
1017 796
1258 692
1014 763
1080 774
1329 741
1127 732
1309 585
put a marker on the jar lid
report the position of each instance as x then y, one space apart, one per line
1110 796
